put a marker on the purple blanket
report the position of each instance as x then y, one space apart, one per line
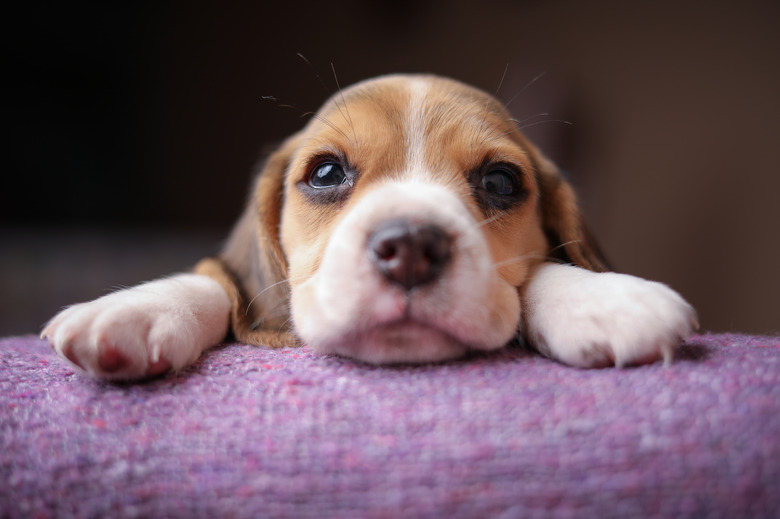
248 432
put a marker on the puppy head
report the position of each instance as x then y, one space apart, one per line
412 212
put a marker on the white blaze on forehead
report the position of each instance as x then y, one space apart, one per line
415 125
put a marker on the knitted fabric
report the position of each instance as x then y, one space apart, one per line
249 432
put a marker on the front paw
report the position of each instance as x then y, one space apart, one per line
586 319
142 331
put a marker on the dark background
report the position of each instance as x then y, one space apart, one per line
132 129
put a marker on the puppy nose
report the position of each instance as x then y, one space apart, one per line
409 254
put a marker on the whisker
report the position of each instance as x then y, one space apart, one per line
559 261
564 244
546 121
489 220
279 104
521 122
263 291
344 103
485 109
328 93
284 324
303 114
518 126
549 259
314 71
331 125
277 310
503 76
534 80
518 123
545 257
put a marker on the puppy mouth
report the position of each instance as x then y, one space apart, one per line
401 341
402 333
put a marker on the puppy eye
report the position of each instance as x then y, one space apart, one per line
499 182
497 186
327 175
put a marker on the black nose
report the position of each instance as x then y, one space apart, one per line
409 254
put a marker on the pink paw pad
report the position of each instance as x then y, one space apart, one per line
158 368
111 360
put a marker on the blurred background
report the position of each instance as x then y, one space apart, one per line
132 129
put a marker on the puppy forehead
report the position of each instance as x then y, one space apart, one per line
404 118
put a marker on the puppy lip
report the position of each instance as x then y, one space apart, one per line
404 323
398 341
400 332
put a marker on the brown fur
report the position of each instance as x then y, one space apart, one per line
253 267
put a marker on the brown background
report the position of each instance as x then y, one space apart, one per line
134 129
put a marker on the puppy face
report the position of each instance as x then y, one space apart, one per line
411 218
406 223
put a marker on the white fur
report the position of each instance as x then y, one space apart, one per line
586 319
170 320
416 126
347 307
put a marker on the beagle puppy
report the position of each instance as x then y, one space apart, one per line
410 221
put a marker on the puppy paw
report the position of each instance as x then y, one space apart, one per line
587 320
142 331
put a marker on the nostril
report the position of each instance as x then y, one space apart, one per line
409 254
436 245
385 248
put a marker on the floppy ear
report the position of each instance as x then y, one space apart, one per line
252 267
569 237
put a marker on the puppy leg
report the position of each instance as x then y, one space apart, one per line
246 326
142 331
588 319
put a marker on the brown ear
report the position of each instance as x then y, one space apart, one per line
252 267
569 237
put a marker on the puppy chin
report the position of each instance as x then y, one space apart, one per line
398 342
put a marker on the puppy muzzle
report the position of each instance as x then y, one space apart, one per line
407 276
